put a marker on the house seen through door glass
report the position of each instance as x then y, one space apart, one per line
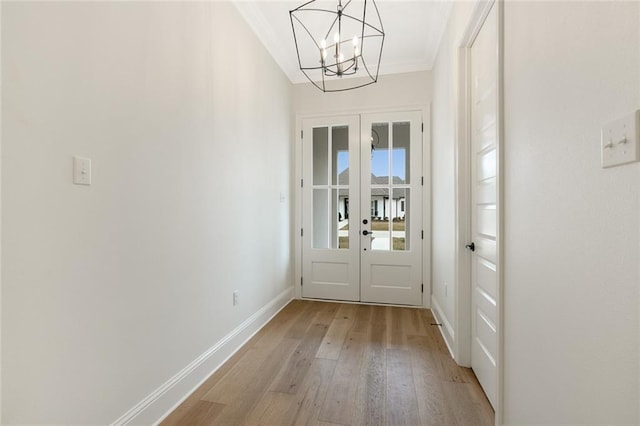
390 186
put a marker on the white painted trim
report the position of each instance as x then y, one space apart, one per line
462 209
463 196
297 202
427 205
1 394
499 412
359 111
442 319
404 67
162 401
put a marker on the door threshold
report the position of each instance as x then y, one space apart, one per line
352 302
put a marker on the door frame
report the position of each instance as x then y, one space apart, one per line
462 350
425 110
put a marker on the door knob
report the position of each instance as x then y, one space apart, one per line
471 246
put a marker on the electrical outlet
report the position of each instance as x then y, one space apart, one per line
236 297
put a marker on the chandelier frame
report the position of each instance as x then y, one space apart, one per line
340 66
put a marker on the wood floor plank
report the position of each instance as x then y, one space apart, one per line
326 313
402 404
250 369
296 367
340 403
372 389
305 319
254 389
337 332
396 339
201 413
433 410
465 411
313 392
447 367
393 368
280 326
271 409
277 408
477 394
363 319
175 417
413 325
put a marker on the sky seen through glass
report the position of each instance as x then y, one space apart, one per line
379 162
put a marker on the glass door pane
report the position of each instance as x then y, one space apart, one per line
400 219
330 163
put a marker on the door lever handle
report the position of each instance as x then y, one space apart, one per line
365 232
471 246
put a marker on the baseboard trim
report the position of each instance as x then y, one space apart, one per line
446 325
161 402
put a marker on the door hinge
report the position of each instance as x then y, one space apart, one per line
422 288
301 183
422 180
422 127
422 234
301 282
302 232
301 134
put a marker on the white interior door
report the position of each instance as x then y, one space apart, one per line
391 206
484 197
362 208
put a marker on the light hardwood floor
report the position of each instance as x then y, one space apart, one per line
340 364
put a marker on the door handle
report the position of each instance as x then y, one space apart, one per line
471 246
365 232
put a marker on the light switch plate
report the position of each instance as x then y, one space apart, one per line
81 171
621 141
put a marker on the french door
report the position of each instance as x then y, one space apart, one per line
362 208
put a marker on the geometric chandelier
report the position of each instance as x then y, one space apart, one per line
335 41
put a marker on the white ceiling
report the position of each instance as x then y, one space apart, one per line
413 30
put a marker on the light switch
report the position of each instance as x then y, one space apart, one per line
81 171
621 141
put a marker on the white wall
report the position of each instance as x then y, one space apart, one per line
572 232
391 91
445 91
110 290
1 315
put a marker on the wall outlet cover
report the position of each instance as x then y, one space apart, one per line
81 171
